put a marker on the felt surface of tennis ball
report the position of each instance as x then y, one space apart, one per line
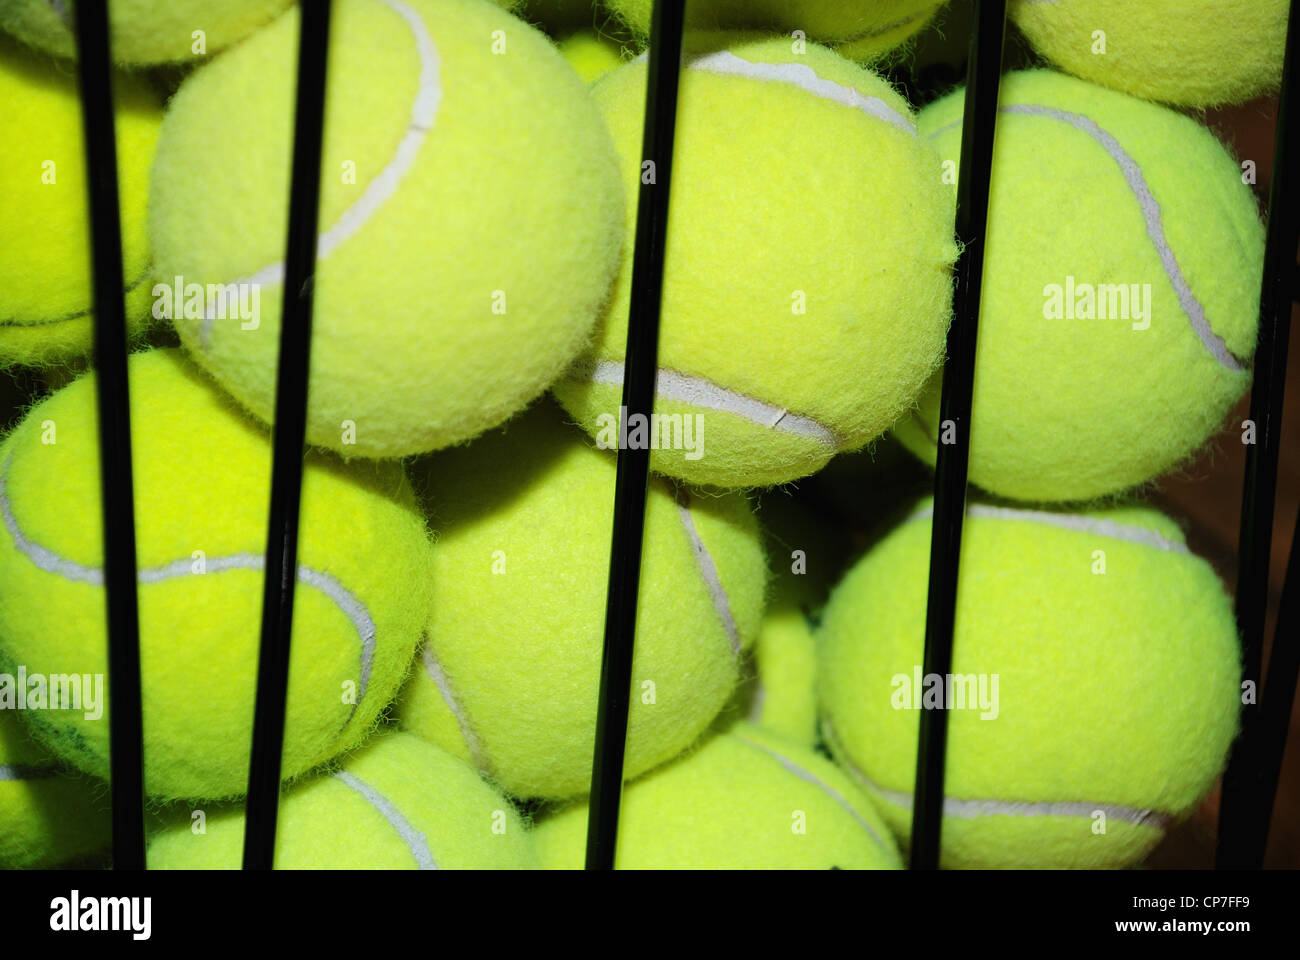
1097 666
45 278
861 30
782 345
590 54
142 31
747 799
397 804
48 815
1192 53
1116 330
202 488
463 255
509 675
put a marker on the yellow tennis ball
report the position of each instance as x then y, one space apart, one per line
439 112
48 814
45 279
509 675
1093 694
142 31
1116 331
1193 53
202 488
861 30
746 799
397 804
590 54
776 153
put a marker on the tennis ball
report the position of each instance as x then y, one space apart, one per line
444 112
591 54
1193 53
509 675
45 276
48 815
397 804
1114 340
142 31
1093 692
797 321
863 31
202 487
745 799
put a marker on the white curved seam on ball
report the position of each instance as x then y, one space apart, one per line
698 392
1076 522
49 561
1141 190
17 772
875 32
413 837
809 777
424 111
439 677
60 10
726 63
975 809
709 574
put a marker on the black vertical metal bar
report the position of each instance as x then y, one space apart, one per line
126 731
640 365
289 438
973 183
1242 829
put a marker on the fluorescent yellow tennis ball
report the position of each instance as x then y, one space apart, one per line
1116 330
142 31
591 54
45 281
470 220
509 675
861 29
48 815
746 799
202 486
1194 53
397 804
781 345
1097 667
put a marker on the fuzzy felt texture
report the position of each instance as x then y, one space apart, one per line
1193 53
849 217
142 32
743 800
590 54
48 815
423 336
862 30
521 573
1114 689
202 484
45 283
1071 409
398 803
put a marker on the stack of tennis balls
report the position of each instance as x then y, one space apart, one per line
866 31
429 121
48 815
509 674
1192 53
142 32
202 483
1098 666
396 804
743 799
1111 346
45 284
808 282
